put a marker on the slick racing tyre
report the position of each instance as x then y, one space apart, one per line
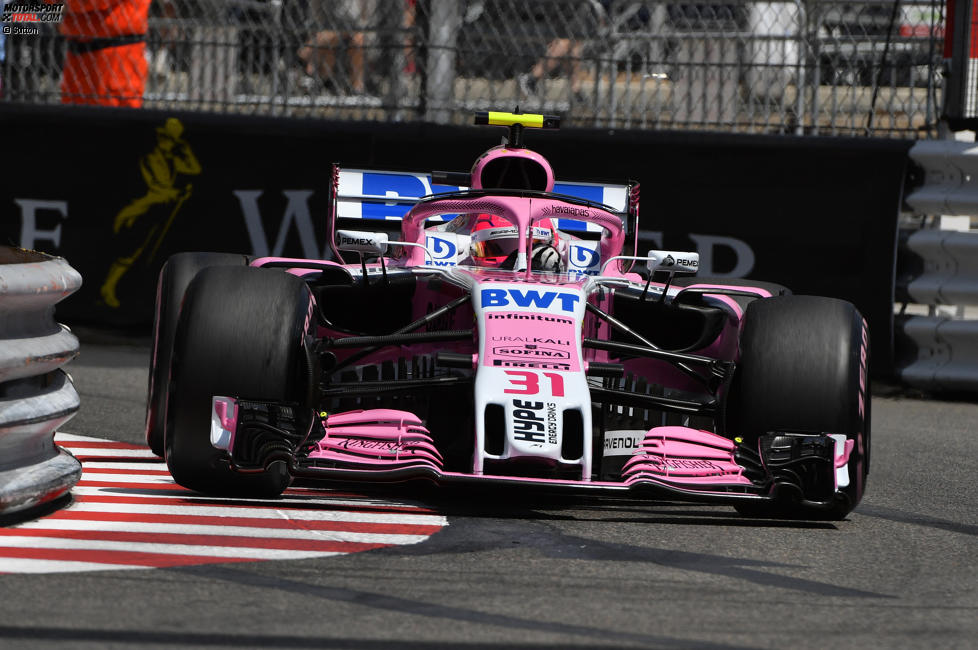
175 276
241 333
803 368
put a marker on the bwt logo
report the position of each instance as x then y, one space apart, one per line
441 249
582 257
528 298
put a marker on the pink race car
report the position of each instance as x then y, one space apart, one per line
511 333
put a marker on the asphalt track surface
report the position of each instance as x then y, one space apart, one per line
512 571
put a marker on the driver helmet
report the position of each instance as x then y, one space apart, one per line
495 241
512 169
495 244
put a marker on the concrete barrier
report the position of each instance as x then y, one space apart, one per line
36 395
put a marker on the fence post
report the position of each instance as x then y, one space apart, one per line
444 23
801 80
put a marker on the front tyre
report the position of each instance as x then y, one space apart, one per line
241 333
174 279
803 368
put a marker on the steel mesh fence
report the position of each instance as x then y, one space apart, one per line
816 66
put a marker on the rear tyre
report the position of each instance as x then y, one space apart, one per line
803 368
175 276
241 333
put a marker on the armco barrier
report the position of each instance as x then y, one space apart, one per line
950 273
934 352
944 353
950 178
36 395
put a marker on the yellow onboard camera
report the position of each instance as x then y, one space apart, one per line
517 122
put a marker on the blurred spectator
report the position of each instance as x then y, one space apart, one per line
343 27
408 23
105 63
576 24
164 15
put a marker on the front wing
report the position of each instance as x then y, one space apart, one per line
386 445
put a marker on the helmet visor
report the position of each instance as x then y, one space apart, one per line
494 245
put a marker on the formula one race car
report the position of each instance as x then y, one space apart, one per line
506 336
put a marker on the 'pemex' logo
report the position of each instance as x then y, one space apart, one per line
669 261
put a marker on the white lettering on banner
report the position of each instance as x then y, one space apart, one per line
29 232
296 211
742 253
655 236
705 245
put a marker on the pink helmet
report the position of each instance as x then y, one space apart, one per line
494 239
511 168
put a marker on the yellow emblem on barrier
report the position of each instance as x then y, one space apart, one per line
160 169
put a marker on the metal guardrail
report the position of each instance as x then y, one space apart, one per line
943 353
940 352
950 178
950 267
36 395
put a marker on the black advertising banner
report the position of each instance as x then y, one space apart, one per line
117 191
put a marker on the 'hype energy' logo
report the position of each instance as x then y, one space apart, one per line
442 251
528 298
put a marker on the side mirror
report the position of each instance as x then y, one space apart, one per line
673 261
362 241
